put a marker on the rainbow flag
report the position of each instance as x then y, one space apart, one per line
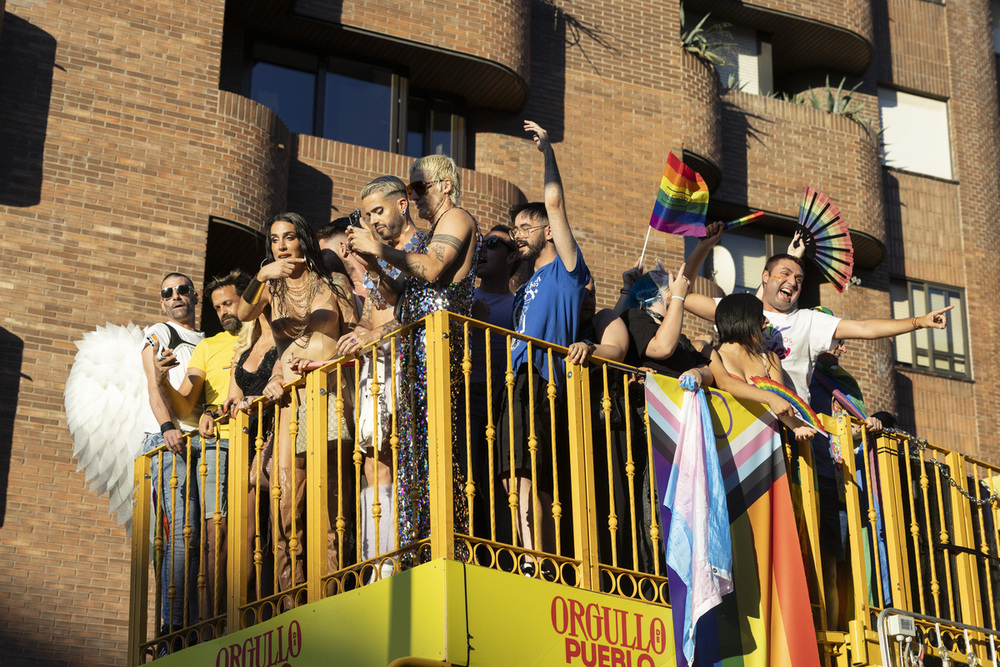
682 202
767 619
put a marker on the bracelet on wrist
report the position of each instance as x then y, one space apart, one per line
675 296
166 426
916 327
252 293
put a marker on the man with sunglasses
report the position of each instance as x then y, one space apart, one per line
547 307
178 299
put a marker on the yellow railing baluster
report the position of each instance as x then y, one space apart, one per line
610 462
635 529
891 488
581 466
654 511
550 393
935 585
439 436
491 436
237 575
914 529
855 546
470 480
513 501
138 621
943 537
317 511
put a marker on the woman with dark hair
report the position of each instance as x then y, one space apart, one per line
308 313
741 355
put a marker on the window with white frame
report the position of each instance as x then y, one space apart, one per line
916 135
748 62
943 351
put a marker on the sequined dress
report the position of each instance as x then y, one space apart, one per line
421 299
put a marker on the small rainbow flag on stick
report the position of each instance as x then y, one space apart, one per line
804 412
682 202
745 220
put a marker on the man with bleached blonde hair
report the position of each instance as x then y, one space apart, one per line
430 170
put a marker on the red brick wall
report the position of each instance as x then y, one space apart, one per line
124 147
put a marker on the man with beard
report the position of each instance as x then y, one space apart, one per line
546 307
208 374
178 299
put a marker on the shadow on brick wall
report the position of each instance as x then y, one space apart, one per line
27 56
11 357
739 130
310 192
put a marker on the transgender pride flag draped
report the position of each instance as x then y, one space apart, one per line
682 202
766 619
698 547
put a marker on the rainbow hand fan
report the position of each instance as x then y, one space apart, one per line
804 412
827 239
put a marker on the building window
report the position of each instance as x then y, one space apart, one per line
748 61
916 134
943 351
353 102
737 262
995 11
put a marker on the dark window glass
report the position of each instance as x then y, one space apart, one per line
288 92
416 122
441 142
358 106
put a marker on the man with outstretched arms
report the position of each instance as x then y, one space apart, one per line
178 299
800 336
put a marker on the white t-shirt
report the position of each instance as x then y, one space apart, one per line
176 374
798 337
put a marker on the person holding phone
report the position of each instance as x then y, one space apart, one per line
178 299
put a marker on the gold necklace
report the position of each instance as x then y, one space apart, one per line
296 306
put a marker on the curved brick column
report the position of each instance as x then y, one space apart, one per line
700 112
493 37
254 154
814 34
771 147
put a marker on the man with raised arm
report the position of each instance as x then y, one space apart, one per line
440 274
799 337
547 307
178 299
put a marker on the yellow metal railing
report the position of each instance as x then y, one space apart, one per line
302 527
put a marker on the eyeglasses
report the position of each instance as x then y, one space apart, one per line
420 187
492 242
182 290
524 231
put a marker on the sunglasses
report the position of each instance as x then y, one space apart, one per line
492 242
420 188
182 290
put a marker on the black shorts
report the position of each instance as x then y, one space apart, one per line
515 435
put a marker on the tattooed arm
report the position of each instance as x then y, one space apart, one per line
446 250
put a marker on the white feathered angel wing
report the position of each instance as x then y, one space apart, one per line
106 399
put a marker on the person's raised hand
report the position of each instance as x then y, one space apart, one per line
541 137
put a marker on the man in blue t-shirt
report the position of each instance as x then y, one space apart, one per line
547 307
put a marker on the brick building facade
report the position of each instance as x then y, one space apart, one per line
131 145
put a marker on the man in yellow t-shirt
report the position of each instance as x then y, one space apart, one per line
207 382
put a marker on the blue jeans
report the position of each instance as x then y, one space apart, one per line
178 507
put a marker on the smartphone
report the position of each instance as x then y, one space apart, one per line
355 217
155 343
